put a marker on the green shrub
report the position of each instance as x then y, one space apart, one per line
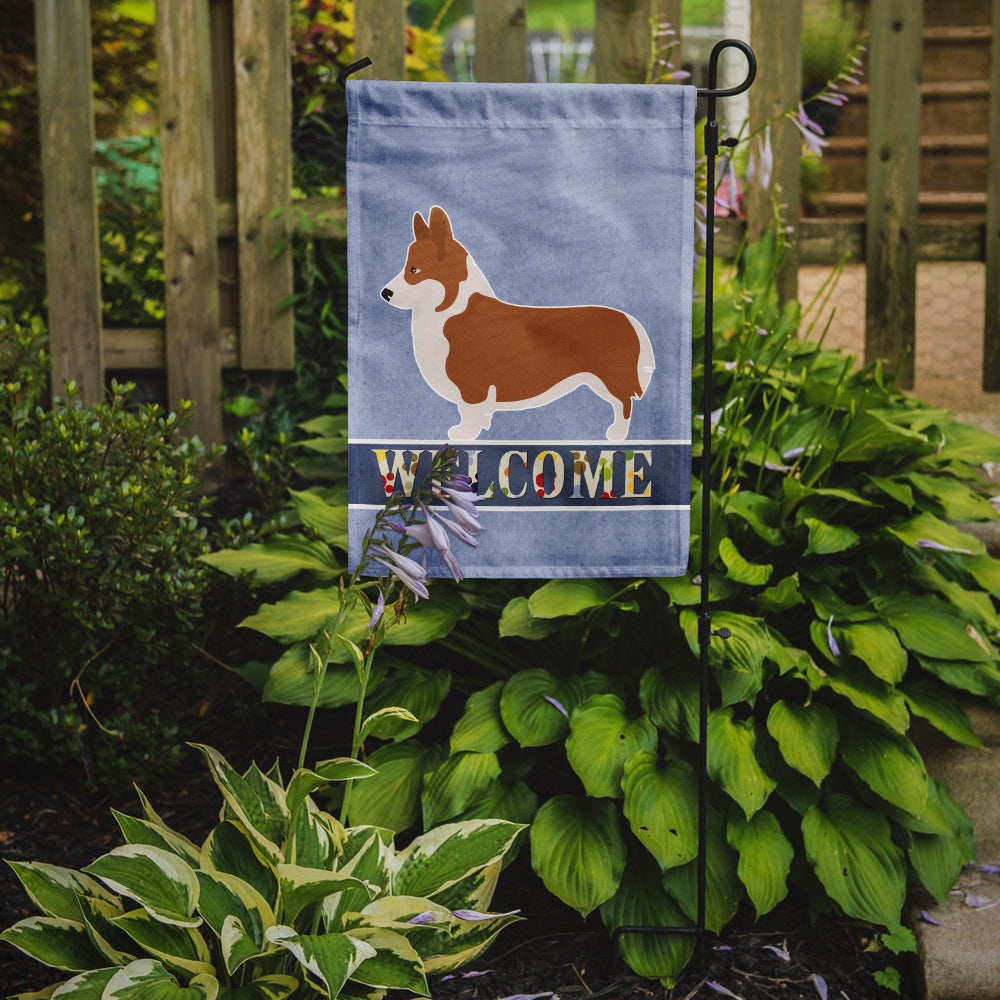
99 540
280 899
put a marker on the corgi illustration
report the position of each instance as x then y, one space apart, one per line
485 355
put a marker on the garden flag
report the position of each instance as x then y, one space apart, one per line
520 262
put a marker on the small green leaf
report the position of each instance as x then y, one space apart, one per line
807 736
559 598
739 569
327 520
517 620
481 727
828 539
279 558
765 858
732 760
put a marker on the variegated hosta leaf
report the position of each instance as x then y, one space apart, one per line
467 940
329 959
578 851
441 857
177 947
535 706
141 831
732 760
807 735
723 889
395 964
481 727
304 782
315 838
300 887
661 799
391 799
765 858
850 847
149 980
274 987
456 784
602 737
86 986
888 763
56 891
476 890
98 915
230 849
256 801
158 880
54 941
367 853
225 897
642 902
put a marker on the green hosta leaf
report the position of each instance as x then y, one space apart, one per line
807 736
230 849
515 803
517 620
783 595
941 709
888 763
732 760
147 979
528 711
225 897
330 959
159 881
56 891
641 901
986 571
180 948
965 443
683 591
765 858
827 539
578 851
279 558
876 646
976 605
274 987
456 784
850 847
931 628
391 798
739 569
395 964
957 501
54 941
976 678
661 798
327 520
301 887
723 889
416 689
758 511
443 856
481 728
558 598
671 699
937 860
260 809
928 528
865 692
386 723
141 831
870 435
602 738
738 661
893 488
291 680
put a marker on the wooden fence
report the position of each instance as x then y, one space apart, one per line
226 161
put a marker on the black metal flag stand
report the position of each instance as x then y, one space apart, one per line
705 631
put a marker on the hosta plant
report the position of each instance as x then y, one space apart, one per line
279 900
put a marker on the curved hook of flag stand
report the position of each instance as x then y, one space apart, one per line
705 631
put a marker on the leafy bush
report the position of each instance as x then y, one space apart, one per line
99 539
854 604
279 899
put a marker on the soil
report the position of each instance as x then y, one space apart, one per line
551 952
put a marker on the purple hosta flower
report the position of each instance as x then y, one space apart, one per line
728 195
811 132
990 869
463 527
465 975
780 952
427 917
530 996
439 540
820 983
558 705
719 988
409 572
377 611
834 648
927 543
475 915
927 918
760 165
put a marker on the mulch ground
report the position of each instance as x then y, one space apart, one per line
552 952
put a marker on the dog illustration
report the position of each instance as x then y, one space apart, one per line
485 355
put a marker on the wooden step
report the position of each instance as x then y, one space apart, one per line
956 53
957 206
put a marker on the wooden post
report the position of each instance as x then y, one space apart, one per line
72 256
501 36
670 12
261 41
893 183
622 40
380 34
776 35
190 254
991 333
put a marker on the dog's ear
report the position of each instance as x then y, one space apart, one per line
440 229
420 228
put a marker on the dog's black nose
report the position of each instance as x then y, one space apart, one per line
386 294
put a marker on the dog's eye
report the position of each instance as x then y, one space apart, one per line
414 270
